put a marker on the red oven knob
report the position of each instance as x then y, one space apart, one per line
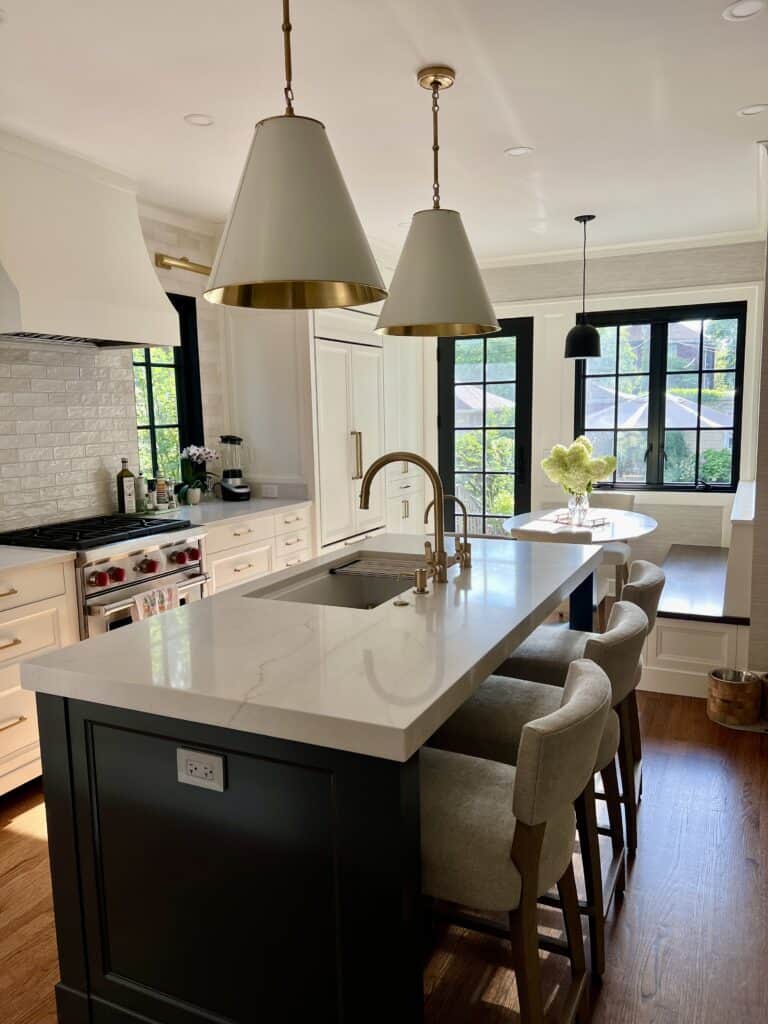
179 557
193 554
149 565
116 574
98 579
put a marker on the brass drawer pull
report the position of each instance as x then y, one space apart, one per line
405 467
296 561
243 568
296 519
241 533
10 723
358 436
289 543
9 592
11 643
405 487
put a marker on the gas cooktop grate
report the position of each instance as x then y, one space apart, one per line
93 532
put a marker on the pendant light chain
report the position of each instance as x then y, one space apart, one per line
435 146
288 90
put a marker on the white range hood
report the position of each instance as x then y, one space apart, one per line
73 263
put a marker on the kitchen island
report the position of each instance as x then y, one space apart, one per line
281 882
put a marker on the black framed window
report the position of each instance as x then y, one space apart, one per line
169 411
665 395
484 423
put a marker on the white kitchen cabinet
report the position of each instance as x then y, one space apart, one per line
405 511
404 427
29 626
350 435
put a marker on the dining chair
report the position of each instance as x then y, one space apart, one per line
616 553
572 535
497 836
490 725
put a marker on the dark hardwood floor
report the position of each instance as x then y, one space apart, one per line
688 944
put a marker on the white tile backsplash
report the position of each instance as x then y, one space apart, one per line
71 418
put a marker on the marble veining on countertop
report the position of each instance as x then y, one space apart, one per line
376 682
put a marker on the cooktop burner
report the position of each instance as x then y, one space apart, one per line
82 534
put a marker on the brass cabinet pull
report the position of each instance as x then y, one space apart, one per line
11 643
296 561
9 592
358 436
407 509
296 519
9 723
241 533
243 568
405 487
406 467
290 543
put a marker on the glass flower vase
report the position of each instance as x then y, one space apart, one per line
578 509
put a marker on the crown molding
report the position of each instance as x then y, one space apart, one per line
179 219
607 251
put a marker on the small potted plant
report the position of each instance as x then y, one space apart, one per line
194 474
576 471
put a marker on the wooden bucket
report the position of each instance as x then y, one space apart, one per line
734 697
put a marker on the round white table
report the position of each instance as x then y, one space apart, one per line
621 525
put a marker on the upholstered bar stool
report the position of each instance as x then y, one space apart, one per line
643 588
490 724
496 837
616 553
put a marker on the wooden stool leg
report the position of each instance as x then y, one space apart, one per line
569 901
627 772
615 823
586 820
619 584
523 933
637 744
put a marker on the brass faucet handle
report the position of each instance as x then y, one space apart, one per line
466 555
429 555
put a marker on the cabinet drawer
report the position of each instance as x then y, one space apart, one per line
31 583
403 471
290 521
240 566
290 543
18 724
30 631
403 486
287 561
239 533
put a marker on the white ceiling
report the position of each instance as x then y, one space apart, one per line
631 106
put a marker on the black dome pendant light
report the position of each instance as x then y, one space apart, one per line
583 340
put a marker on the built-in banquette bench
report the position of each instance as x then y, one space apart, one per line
703 619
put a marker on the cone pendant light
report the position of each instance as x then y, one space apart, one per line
583 340
293 239
437 289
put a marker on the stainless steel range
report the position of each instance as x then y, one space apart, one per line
119 557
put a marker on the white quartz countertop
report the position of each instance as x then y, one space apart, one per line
23 558
377 682
207 513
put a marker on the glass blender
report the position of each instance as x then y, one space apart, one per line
233 487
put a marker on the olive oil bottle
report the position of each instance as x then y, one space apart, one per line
126 489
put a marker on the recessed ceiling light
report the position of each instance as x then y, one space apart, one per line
518 150
743 9
755 108
199 120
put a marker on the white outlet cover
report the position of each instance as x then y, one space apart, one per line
200 768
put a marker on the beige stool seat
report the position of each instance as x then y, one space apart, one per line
466 827
491 722
616 552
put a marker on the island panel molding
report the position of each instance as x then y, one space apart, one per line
284 867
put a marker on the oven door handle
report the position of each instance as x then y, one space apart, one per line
105 610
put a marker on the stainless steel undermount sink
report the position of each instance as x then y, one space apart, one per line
363 583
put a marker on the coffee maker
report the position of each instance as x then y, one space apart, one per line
233 488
